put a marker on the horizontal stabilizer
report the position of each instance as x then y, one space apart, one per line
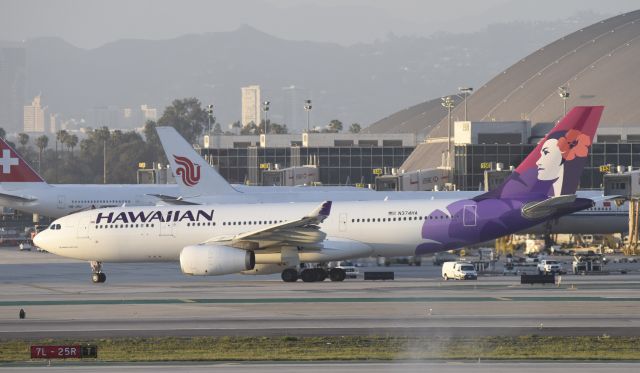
547 207
172 200
16 198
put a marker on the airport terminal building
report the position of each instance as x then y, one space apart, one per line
341 159
396 162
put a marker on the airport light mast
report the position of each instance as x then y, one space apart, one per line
563 92
307 108
210 116
447 102
466 91
265 109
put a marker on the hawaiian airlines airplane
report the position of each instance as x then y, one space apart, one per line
603 218
217 239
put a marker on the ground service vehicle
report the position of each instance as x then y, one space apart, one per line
459 271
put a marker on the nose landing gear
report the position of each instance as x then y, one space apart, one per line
97 276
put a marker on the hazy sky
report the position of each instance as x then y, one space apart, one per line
91 23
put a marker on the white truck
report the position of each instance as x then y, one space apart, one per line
459 271
546 266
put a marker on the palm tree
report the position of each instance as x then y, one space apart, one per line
41 143
72 141
61 137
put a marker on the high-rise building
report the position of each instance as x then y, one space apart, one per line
13 82
33 116
251 106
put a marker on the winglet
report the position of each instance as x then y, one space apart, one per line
321 212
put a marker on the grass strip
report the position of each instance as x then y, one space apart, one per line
344 348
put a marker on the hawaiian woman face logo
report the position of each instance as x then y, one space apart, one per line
560 148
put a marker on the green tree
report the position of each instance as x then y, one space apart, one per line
61 137
23 139
187 117
72 141
278 128
41 142
3 133
217 129
249 129
355 128
334 126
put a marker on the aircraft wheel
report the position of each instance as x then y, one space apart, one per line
337 274
309 275
103 277
289 275
321 274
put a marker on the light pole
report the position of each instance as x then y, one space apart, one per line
447 103
210 116
307 108
265 108
466 91
563 92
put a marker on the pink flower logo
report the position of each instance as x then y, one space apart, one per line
574 144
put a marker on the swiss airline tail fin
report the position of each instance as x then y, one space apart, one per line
14 169
192 173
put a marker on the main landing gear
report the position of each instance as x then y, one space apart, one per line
313 274
97 276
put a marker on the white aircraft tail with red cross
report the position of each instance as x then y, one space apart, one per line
15 172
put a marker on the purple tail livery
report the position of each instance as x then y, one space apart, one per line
541 188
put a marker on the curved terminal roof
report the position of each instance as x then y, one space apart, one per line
598 65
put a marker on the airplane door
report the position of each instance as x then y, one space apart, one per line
469 215
61 202
166 228
343 222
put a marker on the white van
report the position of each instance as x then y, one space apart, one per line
459 271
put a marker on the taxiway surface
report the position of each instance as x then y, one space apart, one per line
157 300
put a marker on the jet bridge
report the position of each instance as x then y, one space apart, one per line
627 186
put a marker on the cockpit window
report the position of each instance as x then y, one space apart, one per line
54 226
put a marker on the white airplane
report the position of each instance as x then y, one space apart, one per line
200 183
23 189
222 239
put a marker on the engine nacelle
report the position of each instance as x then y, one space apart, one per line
213 260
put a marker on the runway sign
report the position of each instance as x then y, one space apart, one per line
64 352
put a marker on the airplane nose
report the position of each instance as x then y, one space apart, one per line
39 240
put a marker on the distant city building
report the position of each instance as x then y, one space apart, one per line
53 123
148 113
13 84
251 106
33 116
293 108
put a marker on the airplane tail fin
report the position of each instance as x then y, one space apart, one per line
554 167
193 174
14 169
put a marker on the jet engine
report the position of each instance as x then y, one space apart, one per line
213 260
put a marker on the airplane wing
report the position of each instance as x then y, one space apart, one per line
16 197
301 232
172 200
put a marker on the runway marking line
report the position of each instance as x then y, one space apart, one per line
14 303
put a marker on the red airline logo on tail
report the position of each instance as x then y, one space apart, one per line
13 169
187 170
